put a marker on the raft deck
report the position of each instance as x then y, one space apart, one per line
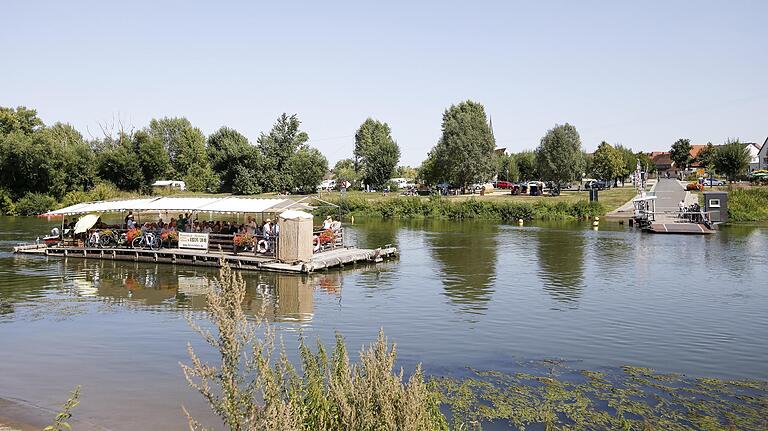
680 228
337 257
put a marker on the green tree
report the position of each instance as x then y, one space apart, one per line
277 147
646 164
629 159
526 165
406 172
119 163
732 159
35 203
153 159
465 152
52 160
307 167
376 153
231 154
202 178
680 153
513 174
559 157
589 163
707 157
607 162
71 163
20 119
184 144
344 170
246 181
430 172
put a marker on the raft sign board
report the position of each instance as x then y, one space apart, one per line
197 241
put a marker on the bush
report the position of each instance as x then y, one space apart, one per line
498 209
254 388
35 203
7 206
749 204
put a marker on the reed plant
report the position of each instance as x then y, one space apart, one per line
254 386
748 204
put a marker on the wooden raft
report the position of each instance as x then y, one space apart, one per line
334 258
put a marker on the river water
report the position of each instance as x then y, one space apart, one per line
462 294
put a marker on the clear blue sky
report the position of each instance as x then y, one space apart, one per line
638 73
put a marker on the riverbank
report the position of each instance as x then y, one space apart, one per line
748 204
502 206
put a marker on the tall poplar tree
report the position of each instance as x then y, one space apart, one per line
376 153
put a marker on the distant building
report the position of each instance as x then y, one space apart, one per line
762 156
754 155
662 161
170 184
695 150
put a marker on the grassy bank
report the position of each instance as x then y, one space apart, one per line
484 208
497 206
748 204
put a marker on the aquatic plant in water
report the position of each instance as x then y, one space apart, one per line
633 398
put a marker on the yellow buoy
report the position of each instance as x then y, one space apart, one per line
520 221
595 223
597 218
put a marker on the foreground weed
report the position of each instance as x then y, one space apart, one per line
256 387
61 423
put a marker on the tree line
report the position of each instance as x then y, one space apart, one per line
465 154
43 165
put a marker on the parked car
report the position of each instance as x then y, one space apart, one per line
503 184
713 182
597 184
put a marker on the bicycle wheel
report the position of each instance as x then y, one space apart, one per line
137 242
106 241
154 243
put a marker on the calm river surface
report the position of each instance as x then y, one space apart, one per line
488 296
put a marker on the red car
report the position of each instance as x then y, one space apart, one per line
503 185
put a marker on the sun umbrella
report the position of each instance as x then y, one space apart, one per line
86 222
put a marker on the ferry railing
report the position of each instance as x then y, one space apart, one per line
327 239
260 245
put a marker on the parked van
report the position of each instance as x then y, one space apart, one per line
327 185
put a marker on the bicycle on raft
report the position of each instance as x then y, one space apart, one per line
147 240
105 239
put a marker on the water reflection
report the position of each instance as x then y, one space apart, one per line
466 253
561 263
283 297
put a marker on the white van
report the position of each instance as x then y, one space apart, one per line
327 185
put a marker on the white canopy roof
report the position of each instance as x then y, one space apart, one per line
230 204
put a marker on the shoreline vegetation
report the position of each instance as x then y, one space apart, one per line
748 204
